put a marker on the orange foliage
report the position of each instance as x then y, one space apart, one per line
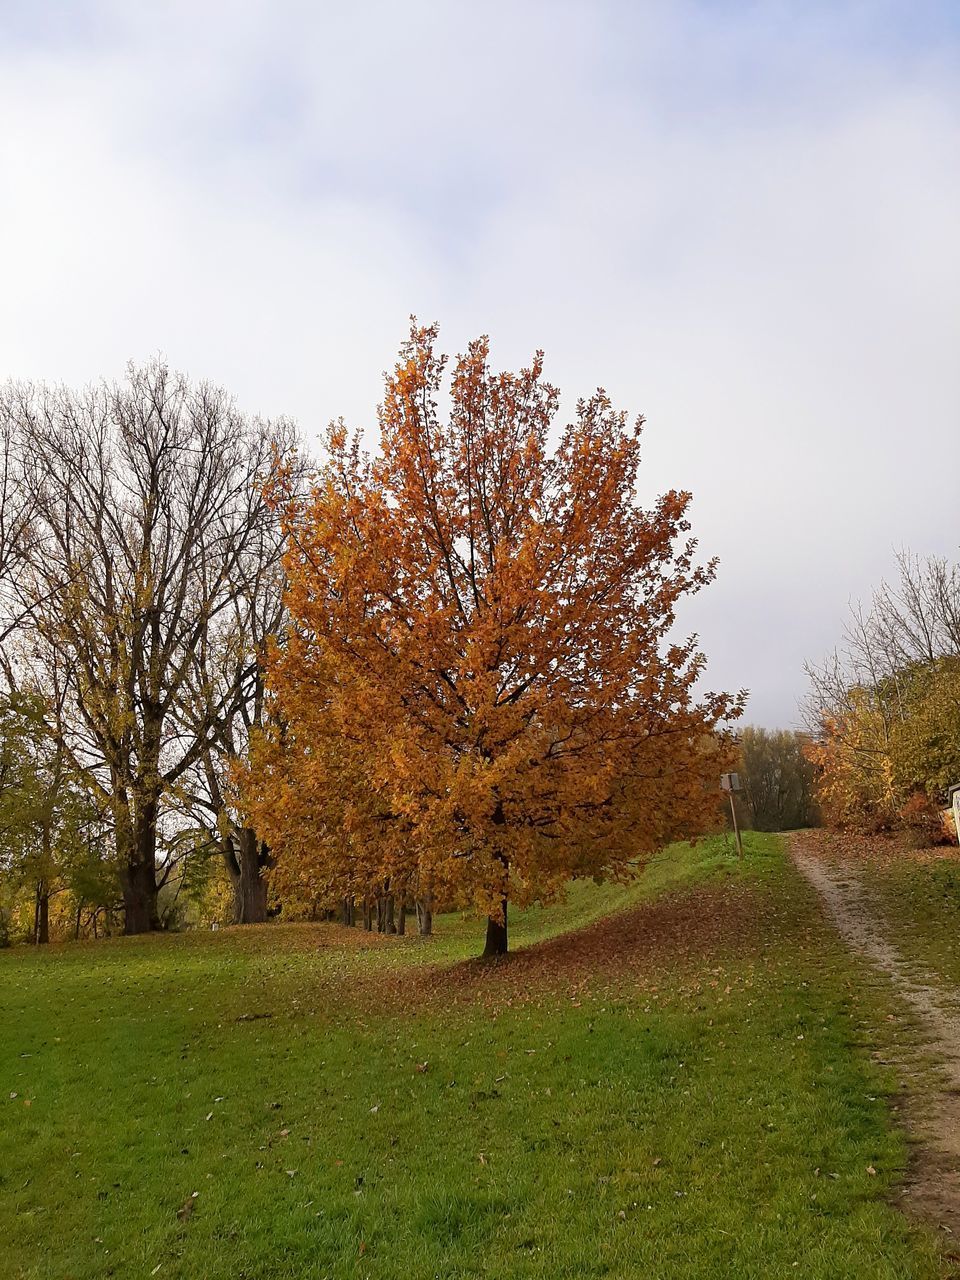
851 753
478 694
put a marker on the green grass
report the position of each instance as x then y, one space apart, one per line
707 1112
920 900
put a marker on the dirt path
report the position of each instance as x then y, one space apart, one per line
931 1106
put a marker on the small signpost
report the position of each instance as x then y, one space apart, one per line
730 782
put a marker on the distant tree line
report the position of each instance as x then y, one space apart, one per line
779 781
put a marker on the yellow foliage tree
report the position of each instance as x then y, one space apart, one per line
479 694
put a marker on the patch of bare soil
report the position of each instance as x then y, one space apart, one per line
931 1106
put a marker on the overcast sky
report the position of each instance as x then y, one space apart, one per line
743 220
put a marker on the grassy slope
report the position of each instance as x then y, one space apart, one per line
708 1113
920 897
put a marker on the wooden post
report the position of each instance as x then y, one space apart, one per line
730 782
736 826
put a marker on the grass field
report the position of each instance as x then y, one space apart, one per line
682 1088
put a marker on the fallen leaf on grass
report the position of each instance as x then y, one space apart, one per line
185 1210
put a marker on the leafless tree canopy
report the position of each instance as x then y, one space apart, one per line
913 622
146 589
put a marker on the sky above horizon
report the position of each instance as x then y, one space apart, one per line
740 219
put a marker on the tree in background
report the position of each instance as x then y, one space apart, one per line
479 631
883 710
147 521
222 699
925 743
45 820
310 786
26 856
779 781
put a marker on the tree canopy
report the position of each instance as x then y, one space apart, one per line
480 693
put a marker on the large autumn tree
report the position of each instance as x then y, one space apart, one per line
479 692
139 591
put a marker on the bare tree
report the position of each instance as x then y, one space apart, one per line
149 507
918 618
911 623
17 506
230 657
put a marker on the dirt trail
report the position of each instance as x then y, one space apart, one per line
932 1098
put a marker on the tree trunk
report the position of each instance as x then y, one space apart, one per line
139 883
41 921
346 911
402 918
389 924
367 915
424 916
496 944
246 858
138 870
